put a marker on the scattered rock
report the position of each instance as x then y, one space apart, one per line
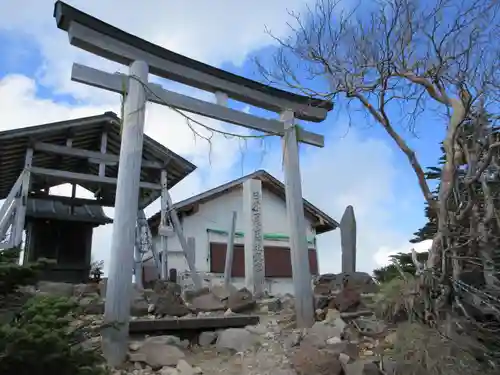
333 318
287 302
55 289
371 368
270 304
347 300
139 307
362 367
168 340
137 357
391 338
308 360
351 350
158 355
169 371
184 368
207 338
321 302
222 292
323 284
238 339
292 339
166 287
92 343
258 329
241 301
92 305
84 290
148 294
318 335
320 314
334 340
134 346
190 294
371 325
167 299
344 358
207 302
166 306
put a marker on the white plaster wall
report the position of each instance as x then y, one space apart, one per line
274 286
217 214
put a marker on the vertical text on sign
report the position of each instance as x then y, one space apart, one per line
258 242
258 246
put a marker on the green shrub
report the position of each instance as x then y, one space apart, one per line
397 299
42 338
12 275
420 350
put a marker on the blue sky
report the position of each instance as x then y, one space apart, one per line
360 166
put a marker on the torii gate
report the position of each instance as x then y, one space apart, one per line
102 39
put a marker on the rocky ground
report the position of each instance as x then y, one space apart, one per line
346 339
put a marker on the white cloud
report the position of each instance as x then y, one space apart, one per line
211 31
350 170
382 256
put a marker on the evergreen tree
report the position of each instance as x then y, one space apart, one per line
403 262
36 332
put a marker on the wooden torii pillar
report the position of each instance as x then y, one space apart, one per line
142 57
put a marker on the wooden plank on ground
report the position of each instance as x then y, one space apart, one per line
194 324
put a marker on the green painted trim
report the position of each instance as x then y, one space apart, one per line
267 236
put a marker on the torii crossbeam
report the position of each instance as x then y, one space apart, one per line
143 57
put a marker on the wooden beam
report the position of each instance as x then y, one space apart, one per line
138 260
6 219
7 203
72 201
176 224
304 304
112 49
230 252
82 177
157 94
163 222
104 143
119 287
23 199
92 156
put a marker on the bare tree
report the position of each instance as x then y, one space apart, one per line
397 60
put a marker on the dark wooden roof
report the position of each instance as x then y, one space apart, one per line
85 134
65 14
323 222
49 209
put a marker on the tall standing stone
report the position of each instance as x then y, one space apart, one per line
254 237
348 240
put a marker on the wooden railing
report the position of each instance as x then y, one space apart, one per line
7 211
